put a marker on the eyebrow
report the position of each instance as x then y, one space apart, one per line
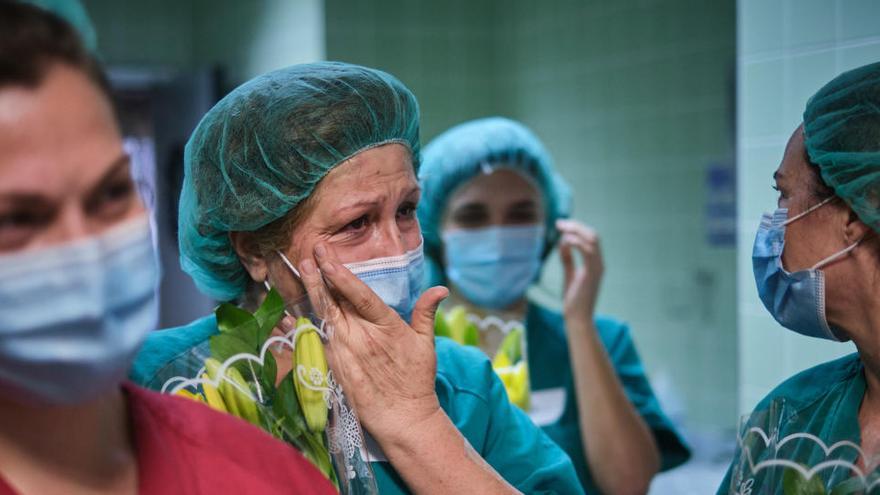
470 206
525 203
117 166
121 162
357 205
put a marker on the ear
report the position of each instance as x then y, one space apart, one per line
855 230
250 257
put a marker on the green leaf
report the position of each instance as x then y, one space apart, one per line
512 344
233 320
286 405
471 335
269 372
441 329
269 314
457 323
849 487
795 484
226 345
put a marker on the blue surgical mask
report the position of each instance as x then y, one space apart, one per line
73 316
796 300
493 267
397 280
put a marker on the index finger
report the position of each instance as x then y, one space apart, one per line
579 230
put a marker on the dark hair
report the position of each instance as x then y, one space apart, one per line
32 40
819 190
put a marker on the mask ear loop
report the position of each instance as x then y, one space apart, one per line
289 264
324 334
836 256
810 210
269 286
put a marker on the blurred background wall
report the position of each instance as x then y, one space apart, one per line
246 38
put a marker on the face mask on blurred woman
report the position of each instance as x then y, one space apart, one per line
493 266
72 316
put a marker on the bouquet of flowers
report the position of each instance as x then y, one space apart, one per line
237 373
503 341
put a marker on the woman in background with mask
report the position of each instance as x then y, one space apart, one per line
77 297
492 210
313 167
824 283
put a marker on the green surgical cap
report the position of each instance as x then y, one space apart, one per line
264 147
842 138
469 149
73 12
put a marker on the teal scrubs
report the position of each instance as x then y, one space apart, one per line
550 367
823 401
467 387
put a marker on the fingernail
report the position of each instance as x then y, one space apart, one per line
320 251
307 267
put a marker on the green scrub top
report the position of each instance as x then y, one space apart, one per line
550 369
467 387
823 401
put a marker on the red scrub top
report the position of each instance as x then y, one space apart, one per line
187 448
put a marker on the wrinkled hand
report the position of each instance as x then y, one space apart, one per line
581 286
385 366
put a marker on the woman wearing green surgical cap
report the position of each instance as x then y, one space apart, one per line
491 211
816 261
297 180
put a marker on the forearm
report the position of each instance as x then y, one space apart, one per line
621 451
434 457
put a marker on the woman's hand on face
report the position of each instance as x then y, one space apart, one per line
581 286
386 366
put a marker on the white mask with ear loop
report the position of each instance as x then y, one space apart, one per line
397 280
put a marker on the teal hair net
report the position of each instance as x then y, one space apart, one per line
75 14
263 148
465 151
842 138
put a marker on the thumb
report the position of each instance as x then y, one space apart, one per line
426 308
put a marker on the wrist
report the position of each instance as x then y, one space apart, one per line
405 434
578 318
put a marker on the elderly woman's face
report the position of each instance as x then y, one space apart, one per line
63 172
363 209
817 235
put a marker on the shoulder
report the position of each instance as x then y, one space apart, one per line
464 369
163 346
209 440
810 385
612 331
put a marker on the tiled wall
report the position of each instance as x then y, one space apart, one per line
185 34
635 100
444 51
786 50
